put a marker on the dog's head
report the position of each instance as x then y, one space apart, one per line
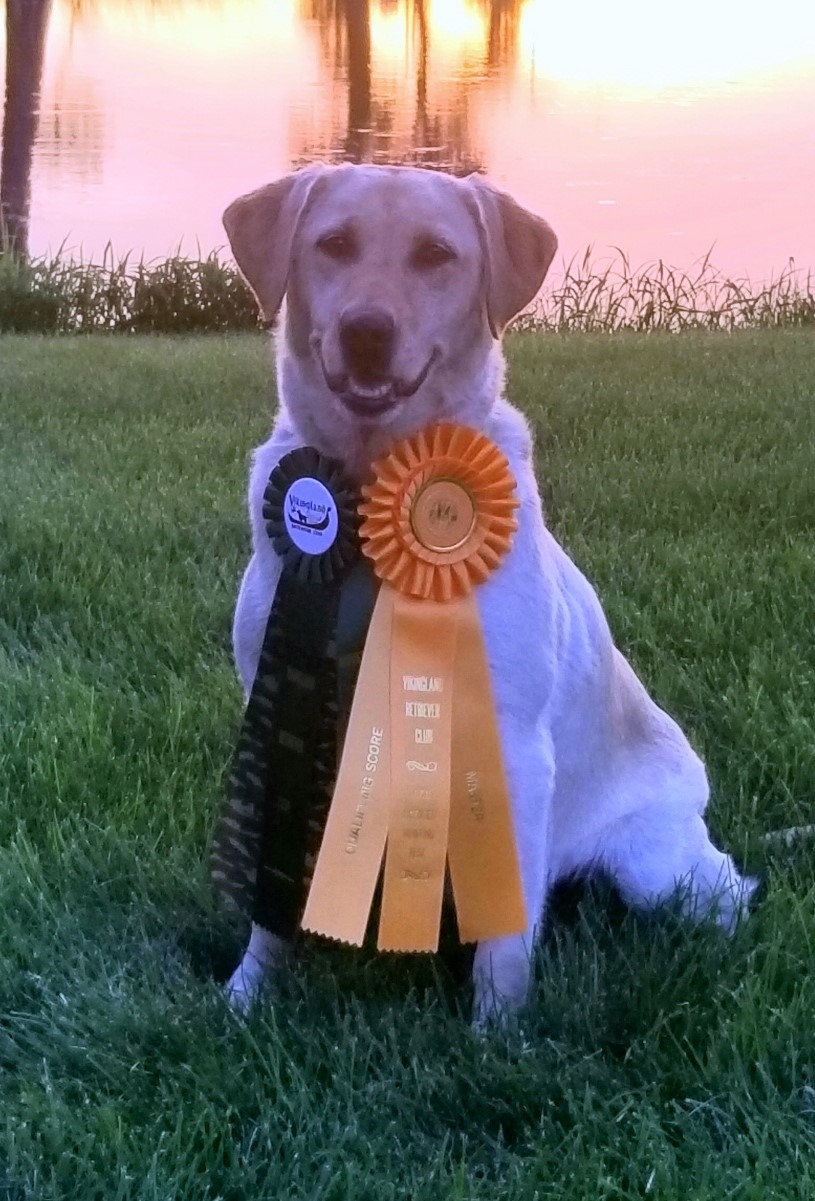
398 284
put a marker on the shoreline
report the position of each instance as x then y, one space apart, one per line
187 295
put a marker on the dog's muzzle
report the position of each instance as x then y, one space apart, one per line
367 387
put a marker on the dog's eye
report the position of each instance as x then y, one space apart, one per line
336 246
429 253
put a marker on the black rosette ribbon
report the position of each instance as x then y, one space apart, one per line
282 775
327 563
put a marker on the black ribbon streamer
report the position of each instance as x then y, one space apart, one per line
284 768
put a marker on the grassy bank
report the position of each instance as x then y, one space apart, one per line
655 1061
588 295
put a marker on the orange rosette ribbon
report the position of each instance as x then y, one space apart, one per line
421 779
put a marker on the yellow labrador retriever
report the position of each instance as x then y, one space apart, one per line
397 284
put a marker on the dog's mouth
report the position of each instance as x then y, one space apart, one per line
365 400
369 399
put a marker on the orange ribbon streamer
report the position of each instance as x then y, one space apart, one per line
423 770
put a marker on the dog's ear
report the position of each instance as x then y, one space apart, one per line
518 249
261 228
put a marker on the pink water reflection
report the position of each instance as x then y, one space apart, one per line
657 136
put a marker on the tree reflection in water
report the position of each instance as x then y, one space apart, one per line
26 25
415 110
440 133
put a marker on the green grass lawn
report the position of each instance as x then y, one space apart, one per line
655 1060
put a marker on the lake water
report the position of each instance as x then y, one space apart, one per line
664 130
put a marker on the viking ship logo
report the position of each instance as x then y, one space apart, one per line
311 516
306 515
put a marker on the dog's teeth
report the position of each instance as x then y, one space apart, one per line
372 393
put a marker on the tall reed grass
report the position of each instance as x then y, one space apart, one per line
183 295
597 297
174 295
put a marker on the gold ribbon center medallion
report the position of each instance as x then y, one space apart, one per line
443 516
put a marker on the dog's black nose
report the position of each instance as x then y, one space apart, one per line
367 337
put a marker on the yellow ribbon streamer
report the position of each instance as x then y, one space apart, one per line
423 647
482 850
422 766
350 856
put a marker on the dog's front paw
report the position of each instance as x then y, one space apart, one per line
245 983
243 986
501 974
492 1013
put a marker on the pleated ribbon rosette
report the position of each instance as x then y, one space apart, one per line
421 779
282 776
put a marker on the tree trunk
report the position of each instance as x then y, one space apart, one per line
420 132
358 27
26 25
